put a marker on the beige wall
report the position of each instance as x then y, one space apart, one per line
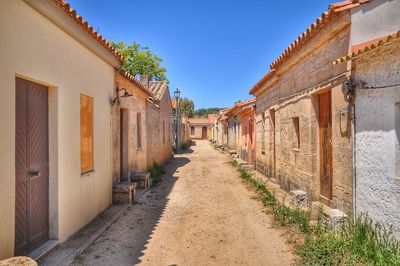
136 159
159 145
197 131
302 77
33 48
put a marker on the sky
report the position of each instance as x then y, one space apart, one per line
214 50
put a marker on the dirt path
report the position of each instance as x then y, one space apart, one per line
201 214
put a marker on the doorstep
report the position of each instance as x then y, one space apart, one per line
44 249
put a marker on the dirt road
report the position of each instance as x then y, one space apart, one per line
201 214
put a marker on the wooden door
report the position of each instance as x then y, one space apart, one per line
124 145
250 143
325 139
204 133
31 166
272 115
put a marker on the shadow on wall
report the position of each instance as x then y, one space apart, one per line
150 224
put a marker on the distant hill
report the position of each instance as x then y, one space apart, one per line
204 112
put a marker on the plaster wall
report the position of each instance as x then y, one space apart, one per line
33 48
374 20
136 157
198 131
159 130
377 139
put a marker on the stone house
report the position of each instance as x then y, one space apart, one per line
211 127
56 84
374 63
129 133
241 129
158 122
221 127
199 128
303 122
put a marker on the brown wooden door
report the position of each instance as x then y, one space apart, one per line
204 133
325 138
31 166
272 114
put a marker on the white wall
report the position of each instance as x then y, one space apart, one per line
374 20
378 187
33 48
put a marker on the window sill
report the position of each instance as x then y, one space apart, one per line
295 150
139 149
88 173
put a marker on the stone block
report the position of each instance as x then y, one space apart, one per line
142 179
124 193
333 217
26 261
299 198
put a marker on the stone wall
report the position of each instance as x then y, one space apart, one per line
378 134
293 94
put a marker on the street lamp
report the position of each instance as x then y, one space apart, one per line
177 94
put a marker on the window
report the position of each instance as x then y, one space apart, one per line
87 160
163 132
139 130
296 133
169 132
192 130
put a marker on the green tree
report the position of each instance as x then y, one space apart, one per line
139 60
204 112
186 106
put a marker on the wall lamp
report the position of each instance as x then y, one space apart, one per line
125 94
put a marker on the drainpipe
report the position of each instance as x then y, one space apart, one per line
353 152
349 91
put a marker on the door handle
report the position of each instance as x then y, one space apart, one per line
34 173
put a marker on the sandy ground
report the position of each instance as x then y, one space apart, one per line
200 214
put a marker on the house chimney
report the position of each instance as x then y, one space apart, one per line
145 79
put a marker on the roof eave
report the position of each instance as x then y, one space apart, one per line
53 13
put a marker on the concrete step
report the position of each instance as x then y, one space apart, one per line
326 213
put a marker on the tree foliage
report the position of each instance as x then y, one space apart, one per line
202 113
139 60
187 107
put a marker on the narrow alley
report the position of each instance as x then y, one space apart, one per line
200 214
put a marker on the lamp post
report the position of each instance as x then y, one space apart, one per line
177 94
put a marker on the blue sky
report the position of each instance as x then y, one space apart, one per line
214 50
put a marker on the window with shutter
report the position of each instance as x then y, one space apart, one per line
87 155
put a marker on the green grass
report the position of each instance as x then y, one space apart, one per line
156 171
359 242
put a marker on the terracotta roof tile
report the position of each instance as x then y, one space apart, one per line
368 46
325 18
199 121
158 88
65 7
131 78
262 81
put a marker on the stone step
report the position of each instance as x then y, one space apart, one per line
232 152
331 216
124 193
141 178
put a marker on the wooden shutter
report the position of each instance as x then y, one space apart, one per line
87 155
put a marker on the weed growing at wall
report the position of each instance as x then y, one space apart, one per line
361 242
156 171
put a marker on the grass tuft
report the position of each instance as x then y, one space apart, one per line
359 242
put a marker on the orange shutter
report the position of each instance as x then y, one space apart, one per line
87 156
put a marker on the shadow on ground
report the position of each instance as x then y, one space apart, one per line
162 200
